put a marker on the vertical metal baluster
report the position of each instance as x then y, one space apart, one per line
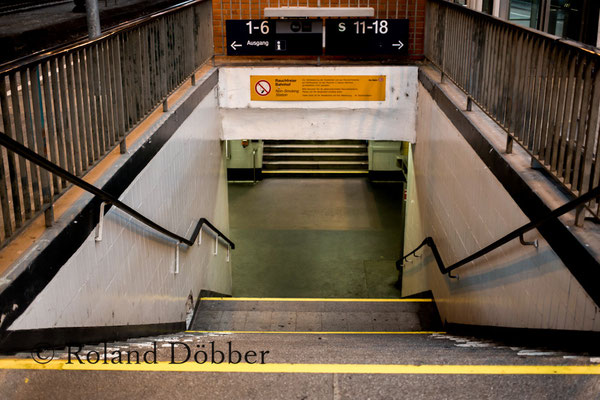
85 107
541 74
566 119
49 119
581 132
163 61
77 139
60 116
26 87
23 164
590 138
42 148
573 132
548 105
91 91
10 156
121 127
557 113
4 202
69 134
86 152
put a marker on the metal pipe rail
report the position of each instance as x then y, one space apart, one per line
542 90
517 233
18 148
74 104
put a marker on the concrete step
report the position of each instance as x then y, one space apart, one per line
319 142
305 349
314 148
316 315
315 157
313 173
315 165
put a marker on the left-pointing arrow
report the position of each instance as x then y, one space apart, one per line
399 45
234 45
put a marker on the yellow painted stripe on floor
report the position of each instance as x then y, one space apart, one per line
315 299
26 364
329 332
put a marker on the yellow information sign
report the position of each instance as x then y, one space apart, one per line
317 87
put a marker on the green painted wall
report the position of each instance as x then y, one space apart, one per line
384 155
241 157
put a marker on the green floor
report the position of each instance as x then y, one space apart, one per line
316 238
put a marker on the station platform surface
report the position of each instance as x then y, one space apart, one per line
26 32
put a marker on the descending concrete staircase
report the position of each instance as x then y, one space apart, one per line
315 158
304 349
308 315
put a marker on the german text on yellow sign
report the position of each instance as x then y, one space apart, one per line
317 87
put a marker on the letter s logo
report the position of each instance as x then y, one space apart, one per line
342 27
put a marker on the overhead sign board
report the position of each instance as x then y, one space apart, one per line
261 37
366 36
317 87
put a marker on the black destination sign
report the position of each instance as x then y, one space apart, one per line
261 37
366 37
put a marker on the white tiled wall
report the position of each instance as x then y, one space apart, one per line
127 278
453 197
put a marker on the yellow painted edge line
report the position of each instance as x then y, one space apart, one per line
315 299
331 332
27 364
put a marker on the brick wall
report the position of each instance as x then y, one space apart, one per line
414 10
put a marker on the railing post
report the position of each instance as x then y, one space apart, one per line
580 216
509 143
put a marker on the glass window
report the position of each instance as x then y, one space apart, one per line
565 18
525 12
488 6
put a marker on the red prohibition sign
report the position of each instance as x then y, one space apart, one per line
262 88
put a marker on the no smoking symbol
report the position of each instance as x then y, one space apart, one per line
262 88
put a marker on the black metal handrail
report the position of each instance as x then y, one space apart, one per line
35 158
517 233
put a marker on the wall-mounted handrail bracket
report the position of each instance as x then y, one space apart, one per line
525 243
100 227
176 267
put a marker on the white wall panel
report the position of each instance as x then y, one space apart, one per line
453 197
312 120
127 278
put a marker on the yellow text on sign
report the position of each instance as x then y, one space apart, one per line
317 87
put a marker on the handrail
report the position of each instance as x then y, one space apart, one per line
517 233
75 103
85 41
541 90
35 158
541 34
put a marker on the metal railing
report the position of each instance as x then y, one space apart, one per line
19 149
74 105
517 233
542 90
